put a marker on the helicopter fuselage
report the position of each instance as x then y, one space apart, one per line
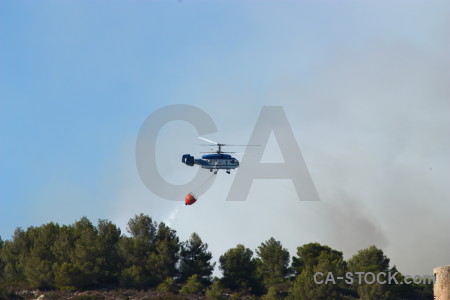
212 161
218 160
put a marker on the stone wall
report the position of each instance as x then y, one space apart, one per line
442 283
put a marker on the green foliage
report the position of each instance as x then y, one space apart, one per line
416 291
272 262
162 261
35 259
11 254
66 275
193 286
373 260
309 254
304 287
373 291
2 264
86 256
216 291
67 257
315 258
272 294
400 291
142 228
134 277
168 286
195 259
150 255
82 255
107 251
239 270
370 259
39 272
64 245
133 252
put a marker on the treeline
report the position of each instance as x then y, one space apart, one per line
84 256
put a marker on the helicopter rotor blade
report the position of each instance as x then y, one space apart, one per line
220 152
219 144
232 152
208 140
239 145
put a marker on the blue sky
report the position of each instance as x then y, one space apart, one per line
363 83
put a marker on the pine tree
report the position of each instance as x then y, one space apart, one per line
2 264
272 262
193 286
372 260
216 291
195 259
239 270
313 258
162 261
134 252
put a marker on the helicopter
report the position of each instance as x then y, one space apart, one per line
217 160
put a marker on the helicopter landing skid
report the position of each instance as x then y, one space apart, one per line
216 170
